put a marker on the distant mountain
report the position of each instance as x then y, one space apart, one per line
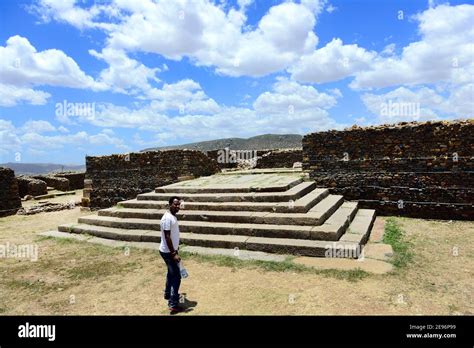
259 142
41 168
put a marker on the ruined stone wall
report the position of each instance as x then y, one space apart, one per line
10 200
275 158
61 184
76 179
421 170
111 179
31 186
284 158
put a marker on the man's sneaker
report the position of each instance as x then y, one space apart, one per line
177 309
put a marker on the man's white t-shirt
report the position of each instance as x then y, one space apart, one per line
169 222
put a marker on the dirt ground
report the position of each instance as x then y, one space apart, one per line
72 277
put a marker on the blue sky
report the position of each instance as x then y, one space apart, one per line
154 73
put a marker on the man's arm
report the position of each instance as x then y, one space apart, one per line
170 246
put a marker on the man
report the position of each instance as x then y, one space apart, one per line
169 251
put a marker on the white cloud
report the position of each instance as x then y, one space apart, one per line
270 114
22 66
389 50
291 97
65 11
200 30
9 141
63 129
184 96
12 95
124 75
444 53
330 8
421 104
30 138
40 126
332 62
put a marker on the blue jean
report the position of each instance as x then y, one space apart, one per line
173 280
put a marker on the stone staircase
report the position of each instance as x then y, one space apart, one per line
290 217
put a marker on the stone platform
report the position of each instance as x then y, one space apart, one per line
271 211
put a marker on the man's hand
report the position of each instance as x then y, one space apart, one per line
176 258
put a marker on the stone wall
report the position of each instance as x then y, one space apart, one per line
414 169
111 179
76 179
276 158
61 184
284 158
10 200
31 186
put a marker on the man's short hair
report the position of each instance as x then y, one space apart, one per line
171 200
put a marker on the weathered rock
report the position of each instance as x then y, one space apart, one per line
31 186
76 179
47 207
10 200
61 184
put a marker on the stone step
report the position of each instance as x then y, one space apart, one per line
293 193
360 227
328 231
327 206
314 217
178 188
301 205
272 245
336 225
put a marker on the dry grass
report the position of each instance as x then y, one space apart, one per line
81 278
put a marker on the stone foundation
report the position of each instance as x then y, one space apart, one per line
10 200
276 158
115 178
280 158
421 170
76 179
61 184
31 186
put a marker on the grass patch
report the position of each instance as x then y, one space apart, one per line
273 266
99 269
34 286
99 249
395 236
60 241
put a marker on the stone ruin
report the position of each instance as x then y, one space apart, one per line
115 178
261 159
423 170
14 189
409 169
10 201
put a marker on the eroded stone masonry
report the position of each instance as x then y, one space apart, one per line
410 169
111 179
10 200
276 158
